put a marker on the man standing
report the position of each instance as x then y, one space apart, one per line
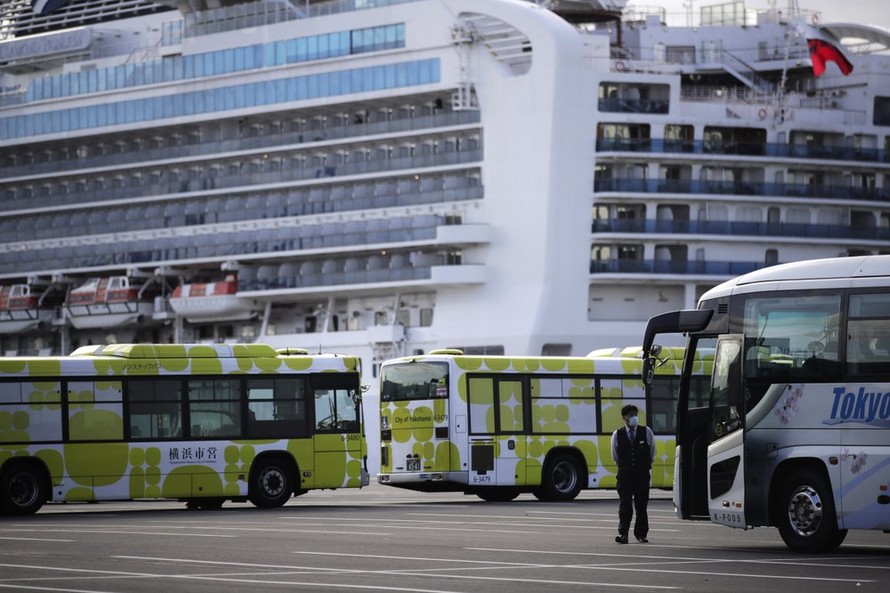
633 450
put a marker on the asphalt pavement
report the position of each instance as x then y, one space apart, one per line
384 539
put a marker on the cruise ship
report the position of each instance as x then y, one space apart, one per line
385 177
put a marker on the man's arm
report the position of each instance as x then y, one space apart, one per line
614 445
651 436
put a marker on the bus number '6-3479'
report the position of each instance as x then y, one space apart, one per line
482 479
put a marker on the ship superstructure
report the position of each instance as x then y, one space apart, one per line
385 177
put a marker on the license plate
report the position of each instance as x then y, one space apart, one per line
413 465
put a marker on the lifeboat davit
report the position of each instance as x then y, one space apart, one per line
21 310
211 301
110 301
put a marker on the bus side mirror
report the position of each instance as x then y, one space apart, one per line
650 363
648 371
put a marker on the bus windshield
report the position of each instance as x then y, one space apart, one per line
414 381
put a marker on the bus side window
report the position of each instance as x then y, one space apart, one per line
336 402
868 334
276 408
155 410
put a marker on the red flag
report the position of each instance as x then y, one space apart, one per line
822 51
825 48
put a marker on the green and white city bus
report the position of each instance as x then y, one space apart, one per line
199 423
495 426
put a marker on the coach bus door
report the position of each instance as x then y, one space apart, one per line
726 452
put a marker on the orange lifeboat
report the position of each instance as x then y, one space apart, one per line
211 301
109 301
21 310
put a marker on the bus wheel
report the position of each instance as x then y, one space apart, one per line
271 484
497 494
806 517
22 489
560 479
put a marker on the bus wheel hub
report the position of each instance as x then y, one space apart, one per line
805 511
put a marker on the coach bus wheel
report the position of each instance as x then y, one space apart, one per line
22 489
497 494
560 479
271 484
806 516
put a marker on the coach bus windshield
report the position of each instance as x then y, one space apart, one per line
414 380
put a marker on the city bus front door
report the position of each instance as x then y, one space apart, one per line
726 452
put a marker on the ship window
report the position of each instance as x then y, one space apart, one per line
882 111
551 349
681 54
633 98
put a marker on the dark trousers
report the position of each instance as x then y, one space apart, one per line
633 495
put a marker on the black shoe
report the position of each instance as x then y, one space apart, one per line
642 540
620 539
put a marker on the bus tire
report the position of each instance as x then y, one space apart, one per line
805 514
23 488
498 494
561 478
271 483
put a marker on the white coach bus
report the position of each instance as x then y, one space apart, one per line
795 432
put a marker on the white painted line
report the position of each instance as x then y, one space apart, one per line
455 560
161 533
674 558
35 539
492 564
226 563
586 584
45 588
612 518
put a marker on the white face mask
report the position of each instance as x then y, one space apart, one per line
632 421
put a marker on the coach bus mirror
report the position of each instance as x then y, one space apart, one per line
675 322
648 371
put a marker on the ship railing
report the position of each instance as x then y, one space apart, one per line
265 143
241 16
679 267
242 181
744 188
738 228
770 149
224 241
740 68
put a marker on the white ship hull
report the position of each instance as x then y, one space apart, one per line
385 180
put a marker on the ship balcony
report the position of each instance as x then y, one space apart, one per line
673 267
265 144
345 276
753 229
844 193
270 179
767 149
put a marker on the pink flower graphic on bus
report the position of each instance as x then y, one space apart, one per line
858 460
787 408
